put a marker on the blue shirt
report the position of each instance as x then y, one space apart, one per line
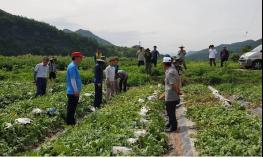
73 73
98 74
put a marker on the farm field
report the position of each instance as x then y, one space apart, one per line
222 131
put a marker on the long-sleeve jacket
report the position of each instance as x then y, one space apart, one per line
98 79
224 54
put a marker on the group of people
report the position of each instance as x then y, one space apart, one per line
148 58
116 80
224 55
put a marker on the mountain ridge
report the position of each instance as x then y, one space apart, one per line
233 47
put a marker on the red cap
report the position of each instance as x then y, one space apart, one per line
77 54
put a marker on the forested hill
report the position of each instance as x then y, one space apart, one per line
89 34
20 35
234 48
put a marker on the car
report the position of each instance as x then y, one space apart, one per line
252 59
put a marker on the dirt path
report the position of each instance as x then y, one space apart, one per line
181 142
176 145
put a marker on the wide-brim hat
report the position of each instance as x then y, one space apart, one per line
181 47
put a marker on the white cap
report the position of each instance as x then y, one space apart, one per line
167 60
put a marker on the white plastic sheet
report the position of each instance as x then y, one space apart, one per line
23 121
37 111
141 101
121 150
140 133
152 98
8 125
88 94
144 111
132 140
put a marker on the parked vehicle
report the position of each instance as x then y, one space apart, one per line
252 59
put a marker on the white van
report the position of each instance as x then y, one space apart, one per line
252 59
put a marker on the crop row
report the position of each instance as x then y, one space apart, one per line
11 91
115 125
222 131
16 137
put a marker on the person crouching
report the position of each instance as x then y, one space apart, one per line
123 80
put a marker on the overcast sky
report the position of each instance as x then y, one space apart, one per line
165 23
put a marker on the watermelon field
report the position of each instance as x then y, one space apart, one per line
132 123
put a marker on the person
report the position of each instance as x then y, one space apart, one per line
141 59
123 80
172 93
110 79
98 54
74 86
155 55
52 69
148 61
224 55
181 56
40 77
98 82
212 55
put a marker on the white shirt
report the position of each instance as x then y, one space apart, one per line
212 53
141 55
110 73
41 70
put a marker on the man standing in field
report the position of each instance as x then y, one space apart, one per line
224 55
212 55
110 79
172 93
74 86
181 55
98 82
148 61
141 59
40 76
155 55
52 69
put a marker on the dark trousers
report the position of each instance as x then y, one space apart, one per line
212 61
52 76
98 95
171 112
41 86
148 68
71 109
123 84
140 63
223 60
154 62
